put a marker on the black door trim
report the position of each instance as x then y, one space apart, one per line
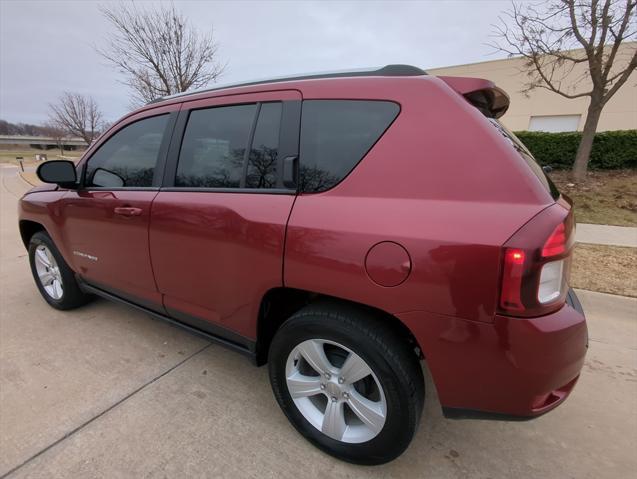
289 138
170 170
162 156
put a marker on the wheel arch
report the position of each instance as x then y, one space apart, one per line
28 228
278 304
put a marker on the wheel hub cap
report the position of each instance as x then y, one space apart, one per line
336 391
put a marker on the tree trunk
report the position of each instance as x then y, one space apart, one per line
580 166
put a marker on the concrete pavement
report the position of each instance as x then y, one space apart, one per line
105 391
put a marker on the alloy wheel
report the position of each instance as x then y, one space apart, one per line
336 391
48 271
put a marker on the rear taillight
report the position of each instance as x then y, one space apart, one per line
536 263
552 279
512 280
556 244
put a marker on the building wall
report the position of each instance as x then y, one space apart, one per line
620 113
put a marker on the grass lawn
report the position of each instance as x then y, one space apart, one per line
607 197
9 155
609 269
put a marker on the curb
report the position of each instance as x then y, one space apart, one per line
617 245
24 179
610 235
614 295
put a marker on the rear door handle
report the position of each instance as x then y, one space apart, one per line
290 171
127 211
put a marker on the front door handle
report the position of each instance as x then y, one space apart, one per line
127 211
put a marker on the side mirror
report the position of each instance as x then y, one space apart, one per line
60 172
107 179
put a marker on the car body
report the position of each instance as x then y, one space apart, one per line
416 227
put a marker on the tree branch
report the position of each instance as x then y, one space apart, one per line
158 51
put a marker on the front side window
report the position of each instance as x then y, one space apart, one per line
214 146
128 158
336 135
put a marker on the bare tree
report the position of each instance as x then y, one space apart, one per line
159 51
572 48
78 115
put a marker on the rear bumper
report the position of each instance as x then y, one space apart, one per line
509 369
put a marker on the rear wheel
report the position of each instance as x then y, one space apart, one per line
347 382
53 277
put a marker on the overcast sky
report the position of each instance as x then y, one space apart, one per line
46 47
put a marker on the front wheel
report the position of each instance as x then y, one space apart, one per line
53 277
347 382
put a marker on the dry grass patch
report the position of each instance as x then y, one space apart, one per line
608 269
607 197
8 155
28 155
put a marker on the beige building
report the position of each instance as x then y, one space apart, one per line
543 110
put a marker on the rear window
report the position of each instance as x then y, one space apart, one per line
336 135
528 157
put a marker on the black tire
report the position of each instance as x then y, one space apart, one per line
391 359
72 296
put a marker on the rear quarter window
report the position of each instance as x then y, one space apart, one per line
336 135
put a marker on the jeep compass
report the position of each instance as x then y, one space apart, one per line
340 228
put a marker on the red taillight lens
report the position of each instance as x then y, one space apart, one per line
535 264
556 244
510 298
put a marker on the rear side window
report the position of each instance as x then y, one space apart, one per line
214 146
336 135
128 158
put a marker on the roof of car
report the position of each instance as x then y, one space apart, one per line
386 71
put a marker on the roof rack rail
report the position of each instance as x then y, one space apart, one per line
386 71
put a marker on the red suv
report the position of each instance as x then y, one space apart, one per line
341 228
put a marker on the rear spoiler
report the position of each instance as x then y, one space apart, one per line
492 101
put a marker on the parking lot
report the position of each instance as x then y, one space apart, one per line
106 391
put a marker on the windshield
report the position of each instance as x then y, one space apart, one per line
528 157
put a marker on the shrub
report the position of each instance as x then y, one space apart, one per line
611 149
